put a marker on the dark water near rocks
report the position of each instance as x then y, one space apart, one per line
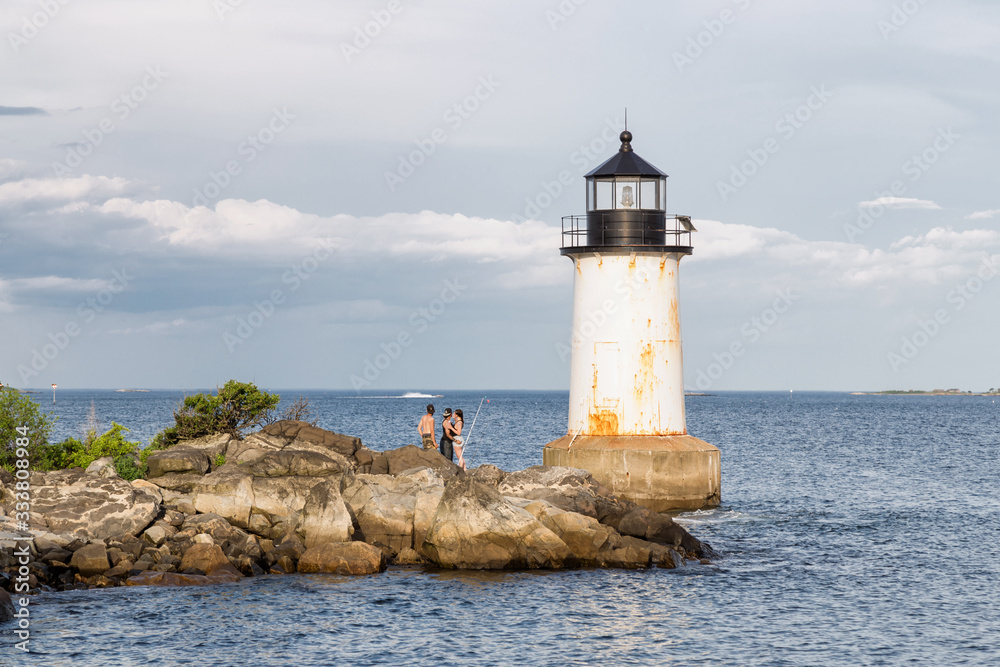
855 530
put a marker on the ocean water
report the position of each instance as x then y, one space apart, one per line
854 530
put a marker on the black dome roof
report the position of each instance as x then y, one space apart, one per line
626 163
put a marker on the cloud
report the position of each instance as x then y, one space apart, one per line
984 215
899 202
937 256
23 111
12 169
61 189
154 327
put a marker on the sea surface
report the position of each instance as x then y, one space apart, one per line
854 530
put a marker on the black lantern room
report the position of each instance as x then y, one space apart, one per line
626 209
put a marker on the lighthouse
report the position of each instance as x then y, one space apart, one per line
626 399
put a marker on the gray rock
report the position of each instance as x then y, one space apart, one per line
91 560
410 457
383 506
88 507
102 467
355 558
324 517
211 524
7 610
476 528
181 483
291 462
155 535
304 436
177 460
212 445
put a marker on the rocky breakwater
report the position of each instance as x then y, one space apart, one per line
296 498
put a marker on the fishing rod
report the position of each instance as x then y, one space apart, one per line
465 445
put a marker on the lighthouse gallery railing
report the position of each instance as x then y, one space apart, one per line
656 231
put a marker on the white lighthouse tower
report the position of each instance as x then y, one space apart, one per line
626 400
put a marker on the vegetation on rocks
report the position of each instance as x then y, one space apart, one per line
17 409
236 408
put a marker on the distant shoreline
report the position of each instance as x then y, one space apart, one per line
921 393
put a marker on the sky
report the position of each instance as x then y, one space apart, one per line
368 195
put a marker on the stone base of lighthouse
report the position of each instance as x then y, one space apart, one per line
658 472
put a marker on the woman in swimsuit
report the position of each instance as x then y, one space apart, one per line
456 433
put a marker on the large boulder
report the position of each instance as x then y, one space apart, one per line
180 483
210 524
177 460
208 559
89 507
152 578
212 445
324 517
90 560
304 436
575 490
589 540
410 457
383 506
6 606
243 499
343 558
227 492
475 528
571 489
102 467
298 463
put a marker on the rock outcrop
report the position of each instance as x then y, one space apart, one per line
343 558
475 528
71 502
295 498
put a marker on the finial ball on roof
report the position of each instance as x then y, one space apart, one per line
626 138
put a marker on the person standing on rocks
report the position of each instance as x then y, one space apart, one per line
447 430
457 424
426 428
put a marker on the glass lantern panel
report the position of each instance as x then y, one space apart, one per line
648 198
605 195
591 196
626 193
663 194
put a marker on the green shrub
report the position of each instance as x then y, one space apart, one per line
128 469
17 409
71 452
235 409
220 460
